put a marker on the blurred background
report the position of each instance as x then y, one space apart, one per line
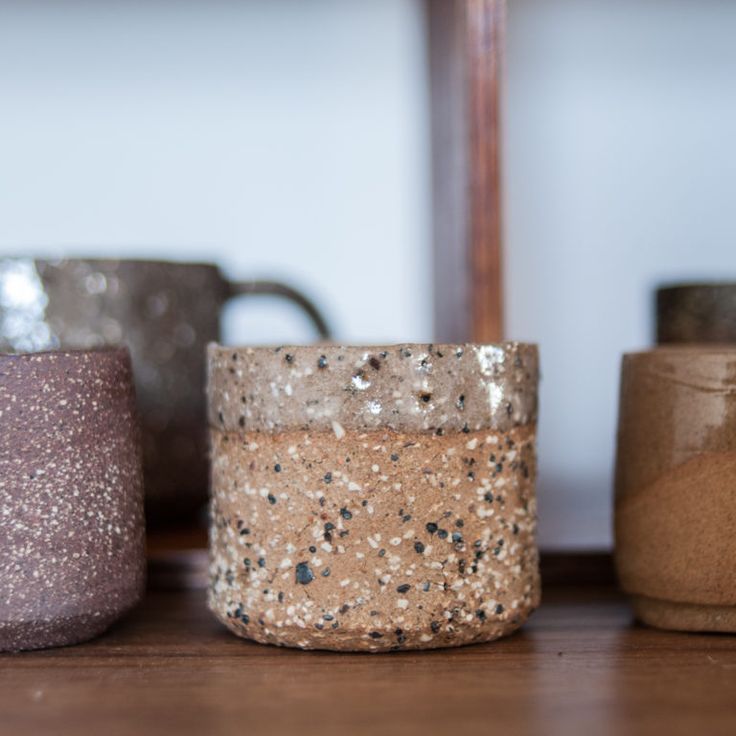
291 140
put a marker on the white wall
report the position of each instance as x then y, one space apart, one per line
284 138
620 173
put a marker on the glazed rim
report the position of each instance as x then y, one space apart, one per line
404 387
684 350
684 286
52 261
65 353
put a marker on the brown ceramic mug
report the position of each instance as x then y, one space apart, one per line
166 313
675 506
71 492
696 313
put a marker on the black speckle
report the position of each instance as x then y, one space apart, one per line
289 358
488 497
220 417
322 361
459 523
327 478
405 353
303 574
431 527
405 518
312 549
499 609
426 586
418 547
394 456
460 403
346 514
241 421
457 537
277 468
375 363
442 533
466 429
381 552
425 397
261 562
405 588
326 572
271 499
481 614
376 635
328 617
435 626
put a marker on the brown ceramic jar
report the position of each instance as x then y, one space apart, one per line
71 499
675 507
373 498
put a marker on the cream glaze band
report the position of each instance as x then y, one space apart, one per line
400 387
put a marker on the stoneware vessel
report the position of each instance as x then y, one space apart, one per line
696 313
373 498
166 313
675 502
71 495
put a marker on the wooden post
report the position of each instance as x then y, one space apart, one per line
465 58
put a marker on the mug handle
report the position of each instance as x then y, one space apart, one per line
276 288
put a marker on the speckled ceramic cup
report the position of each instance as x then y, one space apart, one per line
675 502
71 497
696 313
166 313
373 498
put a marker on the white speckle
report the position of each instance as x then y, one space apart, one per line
402 603
352 486
375 468
396 541
338 430
472 444
360 383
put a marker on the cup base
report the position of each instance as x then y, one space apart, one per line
678 616
18 636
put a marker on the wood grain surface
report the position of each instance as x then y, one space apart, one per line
579 667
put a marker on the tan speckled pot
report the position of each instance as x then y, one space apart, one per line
373 498
676 487
71 497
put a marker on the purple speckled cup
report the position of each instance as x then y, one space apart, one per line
71 496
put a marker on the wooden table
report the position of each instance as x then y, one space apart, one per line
579 667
